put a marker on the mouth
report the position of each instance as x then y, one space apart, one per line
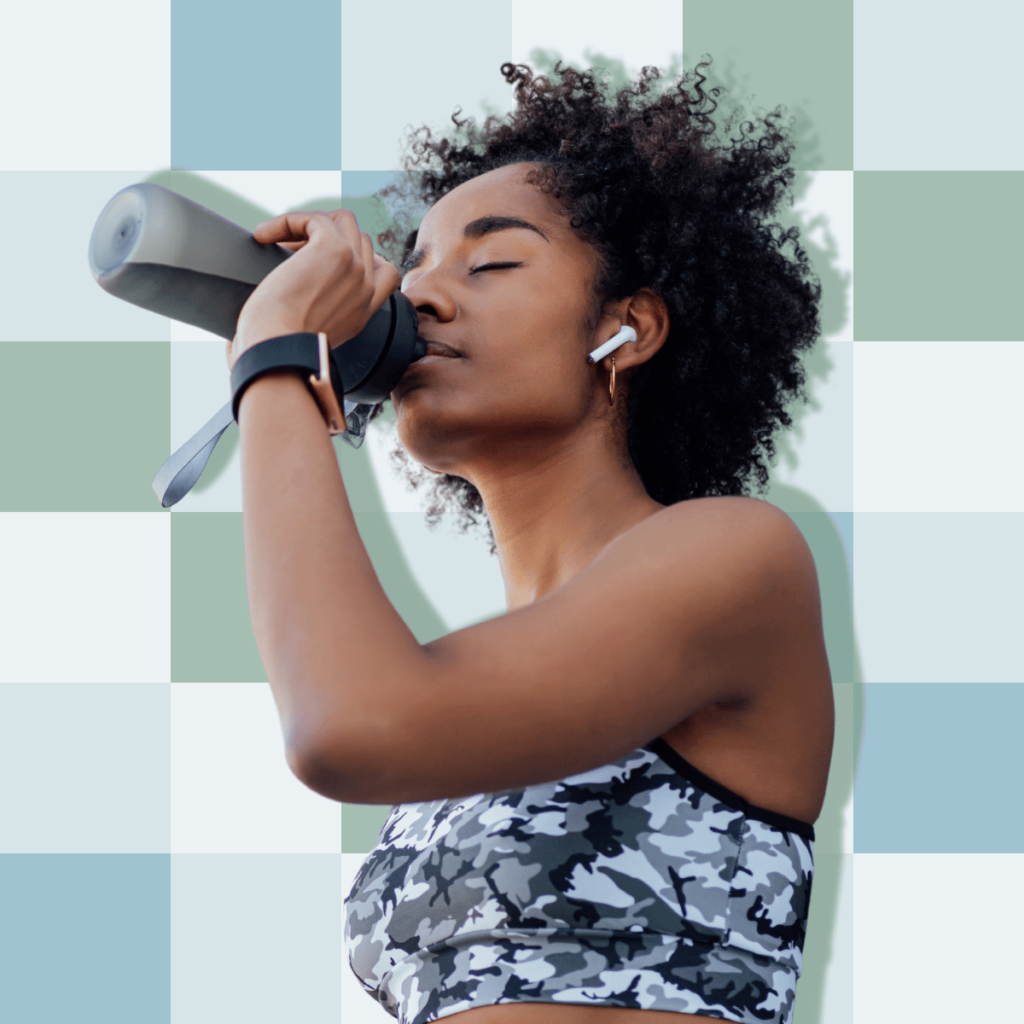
439 349
436 352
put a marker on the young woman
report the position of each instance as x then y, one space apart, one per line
604 798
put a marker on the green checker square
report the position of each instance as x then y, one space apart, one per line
361 825
211 633
798 53
938 255
87 424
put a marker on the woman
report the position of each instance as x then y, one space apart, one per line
605 797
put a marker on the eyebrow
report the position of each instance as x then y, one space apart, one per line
476 229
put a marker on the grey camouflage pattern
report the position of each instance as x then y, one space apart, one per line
626 885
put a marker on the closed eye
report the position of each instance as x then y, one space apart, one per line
494 266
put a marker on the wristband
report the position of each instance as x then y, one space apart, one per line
307 353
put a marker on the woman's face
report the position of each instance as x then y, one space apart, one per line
502 287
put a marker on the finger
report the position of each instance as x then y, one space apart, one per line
366 248
298 226
347 225
386 280
267 230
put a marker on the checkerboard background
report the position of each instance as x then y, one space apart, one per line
158 862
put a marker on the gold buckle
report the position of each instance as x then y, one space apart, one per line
324 391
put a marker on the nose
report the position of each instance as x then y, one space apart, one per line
430 297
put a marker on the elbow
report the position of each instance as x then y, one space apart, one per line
356 768
316 770
340 753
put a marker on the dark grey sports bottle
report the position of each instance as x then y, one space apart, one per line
157 249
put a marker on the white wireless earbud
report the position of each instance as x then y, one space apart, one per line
625 335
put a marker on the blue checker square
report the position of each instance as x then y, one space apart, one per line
938 769
256 87
85 938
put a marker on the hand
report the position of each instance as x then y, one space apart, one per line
334 283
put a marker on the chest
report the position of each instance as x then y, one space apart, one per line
495 888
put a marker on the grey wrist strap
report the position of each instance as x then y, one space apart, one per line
177 476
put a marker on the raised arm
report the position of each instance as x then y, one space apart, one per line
676 613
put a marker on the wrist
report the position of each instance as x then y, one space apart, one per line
293 382
302 353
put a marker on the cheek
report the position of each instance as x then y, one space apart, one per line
538 359
553 366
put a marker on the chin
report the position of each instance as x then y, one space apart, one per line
433 439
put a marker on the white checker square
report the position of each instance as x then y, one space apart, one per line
278 191
933 423
936 937
86 597
92 84
231 788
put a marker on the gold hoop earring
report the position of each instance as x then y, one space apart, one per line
611 385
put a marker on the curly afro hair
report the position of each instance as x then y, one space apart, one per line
674 203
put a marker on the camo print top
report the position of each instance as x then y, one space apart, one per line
642 884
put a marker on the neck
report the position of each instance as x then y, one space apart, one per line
552 516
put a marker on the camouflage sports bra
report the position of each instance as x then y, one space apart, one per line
642 883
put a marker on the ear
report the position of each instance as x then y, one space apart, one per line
647 314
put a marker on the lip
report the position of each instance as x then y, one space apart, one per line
440 350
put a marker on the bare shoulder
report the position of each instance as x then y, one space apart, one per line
769 738
728 514
739 540
730 576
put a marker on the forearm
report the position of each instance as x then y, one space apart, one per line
329 638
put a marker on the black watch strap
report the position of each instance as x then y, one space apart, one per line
178 474
299 352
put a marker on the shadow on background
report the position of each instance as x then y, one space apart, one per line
834 580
